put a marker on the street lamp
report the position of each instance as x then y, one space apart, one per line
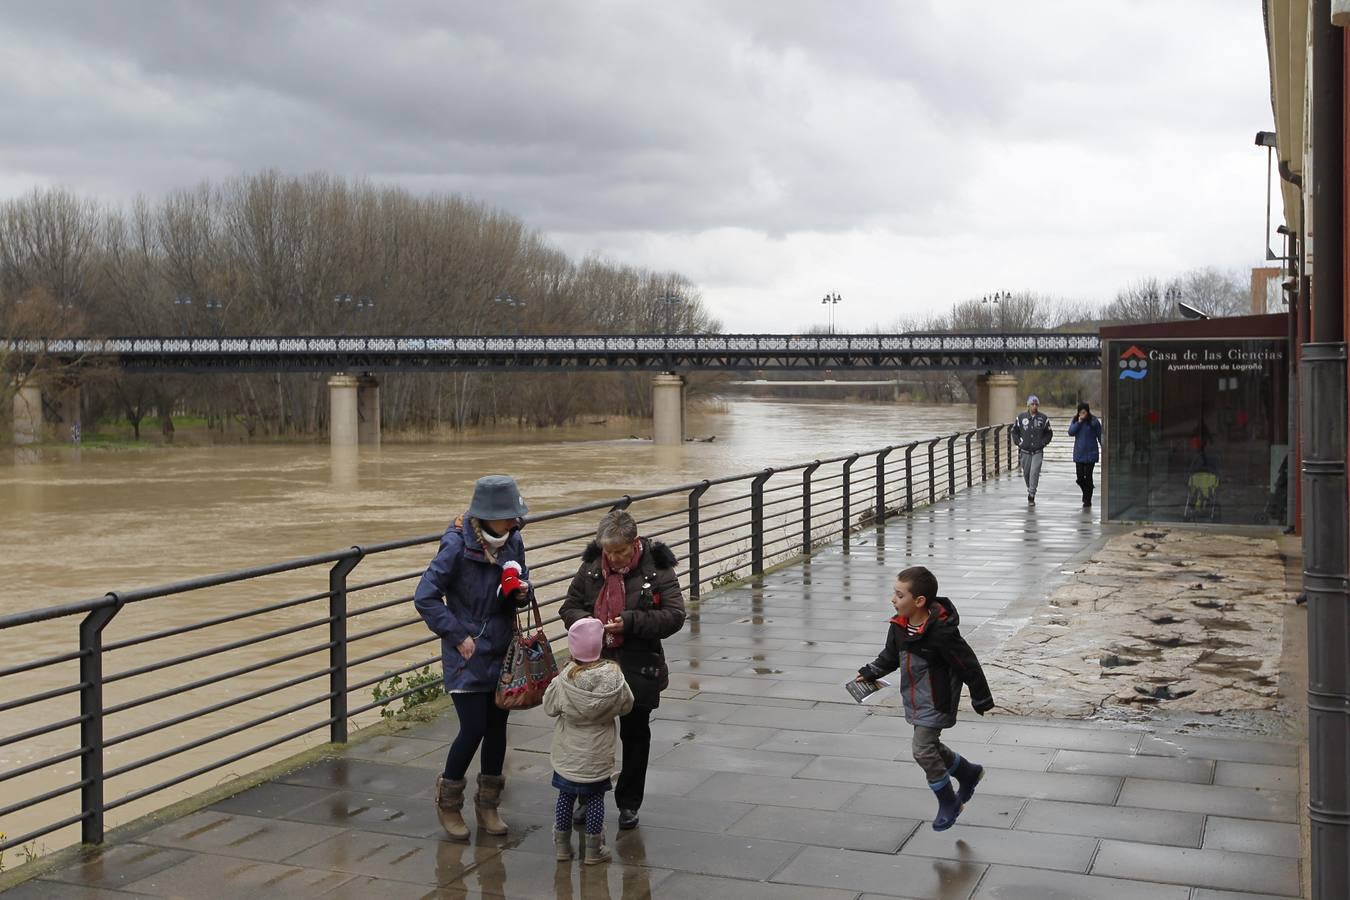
999 299
1267 139
671 301
831 300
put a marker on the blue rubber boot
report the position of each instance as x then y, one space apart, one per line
948 806
967 775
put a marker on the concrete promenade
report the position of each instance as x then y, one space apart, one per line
768 781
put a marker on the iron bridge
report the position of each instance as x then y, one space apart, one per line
577 353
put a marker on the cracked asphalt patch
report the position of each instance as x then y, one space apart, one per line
1157 620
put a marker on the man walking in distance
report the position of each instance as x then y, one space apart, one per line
1031 432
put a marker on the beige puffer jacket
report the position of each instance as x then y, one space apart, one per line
586 707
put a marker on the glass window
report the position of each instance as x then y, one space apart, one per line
1198 431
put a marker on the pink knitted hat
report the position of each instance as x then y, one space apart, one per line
583 639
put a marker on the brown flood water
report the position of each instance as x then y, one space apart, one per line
80 523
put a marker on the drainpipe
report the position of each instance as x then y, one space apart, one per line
1323 424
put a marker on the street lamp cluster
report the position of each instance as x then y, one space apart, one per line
999 300
343 299
831 301
212 302
670 301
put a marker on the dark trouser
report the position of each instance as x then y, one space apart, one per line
635 731
1084 480
935 757
480 722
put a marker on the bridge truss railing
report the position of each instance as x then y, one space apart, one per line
114 706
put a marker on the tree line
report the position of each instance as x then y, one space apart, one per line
271 254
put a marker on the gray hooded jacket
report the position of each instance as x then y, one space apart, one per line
586 706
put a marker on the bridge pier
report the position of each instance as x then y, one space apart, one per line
995 399
668 409
353 410
53 413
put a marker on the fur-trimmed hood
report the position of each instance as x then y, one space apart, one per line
660 556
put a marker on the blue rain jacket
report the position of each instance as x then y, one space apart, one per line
459 597
1086 436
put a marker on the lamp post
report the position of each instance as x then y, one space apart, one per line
670 301
831 300
343 302
1000 300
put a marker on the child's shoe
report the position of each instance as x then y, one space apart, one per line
596 851
967 775
562 844
948 806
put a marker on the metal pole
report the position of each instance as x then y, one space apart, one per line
951 465
909 477
337 645
694 496
1323 424
806 506
969 464
984 455
932 476
848 488
881 484
91 719
998 454
757 522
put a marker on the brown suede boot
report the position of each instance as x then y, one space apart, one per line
485 803
596 851
449 801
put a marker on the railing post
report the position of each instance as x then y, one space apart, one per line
848 489
757 522
881 484
806 506
951 465
970 436
91 719
932 475
984 455
998 454
909 477
694 496
337 644
1011 446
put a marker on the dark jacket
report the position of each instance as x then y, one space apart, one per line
653 609
459 597
1086 436
1031 432
933 665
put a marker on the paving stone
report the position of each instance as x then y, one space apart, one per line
828 720
229 877
881 873
919 803
1124 823
1256 775
753 700
692 813
367 812
1238 802
770 790
364 888
1104 740
693 711
708 854
1207 894
730 759
1083 762
1017 883
361 775
518 875
844 745
116 867
229 834
395 749
43 889
718 734
973 843
430 862
1205 868
1249 836
685 886
272 799
850 831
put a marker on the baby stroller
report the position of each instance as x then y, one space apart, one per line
1202 497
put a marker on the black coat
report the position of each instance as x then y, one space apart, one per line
653 609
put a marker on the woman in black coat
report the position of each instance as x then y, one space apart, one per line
628 582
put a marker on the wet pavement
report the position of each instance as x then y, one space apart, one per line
768 781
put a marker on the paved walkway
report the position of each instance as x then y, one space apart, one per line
767 781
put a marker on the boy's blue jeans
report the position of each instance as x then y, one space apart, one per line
935 757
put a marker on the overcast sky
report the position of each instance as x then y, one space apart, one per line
906 154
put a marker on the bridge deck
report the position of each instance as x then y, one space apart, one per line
767 781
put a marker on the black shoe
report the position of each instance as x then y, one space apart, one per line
1031 499
628 818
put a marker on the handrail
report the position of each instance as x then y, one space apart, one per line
769 515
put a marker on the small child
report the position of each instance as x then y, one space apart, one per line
586 697
934 660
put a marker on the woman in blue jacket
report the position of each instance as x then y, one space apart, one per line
1086 431
468 597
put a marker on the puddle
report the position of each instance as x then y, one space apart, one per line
764 670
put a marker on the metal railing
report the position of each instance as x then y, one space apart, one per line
216 700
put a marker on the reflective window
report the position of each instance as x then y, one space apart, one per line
1198 431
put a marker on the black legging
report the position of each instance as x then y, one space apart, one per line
480 722
1084 480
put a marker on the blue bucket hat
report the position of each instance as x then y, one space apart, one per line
497 497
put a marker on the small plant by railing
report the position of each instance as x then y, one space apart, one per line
424 684
246 669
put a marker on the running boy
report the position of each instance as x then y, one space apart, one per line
925 643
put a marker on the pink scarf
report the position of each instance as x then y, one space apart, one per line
614 593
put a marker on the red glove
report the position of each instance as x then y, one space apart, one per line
511 580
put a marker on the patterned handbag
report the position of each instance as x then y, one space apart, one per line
528 667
